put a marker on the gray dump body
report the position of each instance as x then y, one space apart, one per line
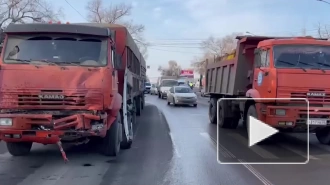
230 77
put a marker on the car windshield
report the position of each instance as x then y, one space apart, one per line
182 90
169 83
302 56
153 85
147 84
52 49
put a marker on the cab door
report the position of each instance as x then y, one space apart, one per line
263 74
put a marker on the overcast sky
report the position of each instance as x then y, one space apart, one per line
176 27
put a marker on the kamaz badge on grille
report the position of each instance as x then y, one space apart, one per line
51 96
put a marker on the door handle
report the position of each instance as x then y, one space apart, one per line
255 79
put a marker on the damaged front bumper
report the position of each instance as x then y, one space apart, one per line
47 129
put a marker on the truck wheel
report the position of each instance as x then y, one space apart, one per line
138 104
213 111
19 148
323 135
226 122
110 144
143 103
126 144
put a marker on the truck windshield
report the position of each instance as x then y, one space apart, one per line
302 56
169 83
51 49
148 84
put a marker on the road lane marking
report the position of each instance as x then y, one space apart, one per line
262 178
297 151
222 150
256 149
175 147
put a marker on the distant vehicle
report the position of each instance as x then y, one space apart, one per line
147 87
153 90
181 95
165 85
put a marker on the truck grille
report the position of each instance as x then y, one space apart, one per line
36 100
325 99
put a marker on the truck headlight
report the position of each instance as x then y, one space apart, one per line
6 122
280 112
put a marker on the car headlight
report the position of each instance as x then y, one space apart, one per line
6 122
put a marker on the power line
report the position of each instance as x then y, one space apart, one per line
175 51
75 10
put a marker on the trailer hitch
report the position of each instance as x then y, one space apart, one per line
59 144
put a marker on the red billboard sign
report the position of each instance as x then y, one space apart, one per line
187 72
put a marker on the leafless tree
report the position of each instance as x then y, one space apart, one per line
23 11
323 31
118 13
198 63
220 46
214 48
173 69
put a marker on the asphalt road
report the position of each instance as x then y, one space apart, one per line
173 145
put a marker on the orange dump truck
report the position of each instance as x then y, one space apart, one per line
269 67
70 83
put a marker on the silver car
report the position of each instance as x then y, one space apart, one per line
181 95
153 89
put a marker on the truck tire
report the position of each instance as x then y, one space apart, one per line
126 144
110 144
323 135
138 104
213 110
19 148
143 102
227 122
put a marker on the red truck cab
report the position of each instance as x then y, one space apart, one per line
269 67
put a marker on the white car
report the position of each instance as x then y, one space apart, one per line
181 95
153 89
165 86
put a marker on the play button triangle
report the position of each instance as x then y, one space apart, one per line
259 131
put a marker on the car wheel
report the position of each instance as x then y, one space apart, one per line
195 105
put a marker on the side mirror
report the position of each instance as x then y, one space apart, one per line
256 51
118 62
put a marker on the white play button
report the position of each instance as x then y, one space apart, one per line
259 131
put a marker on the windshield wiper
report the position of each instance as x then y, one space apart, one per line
323 64
49 62
72 63
286 62
19 60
